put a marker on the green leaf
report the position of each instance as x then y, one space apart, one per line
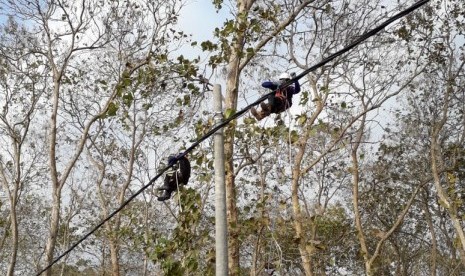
218 4
207 46
104 82
249 120
112 109
304 97
191 86
294 136
302 119
147 106
328 8
127 99
229 112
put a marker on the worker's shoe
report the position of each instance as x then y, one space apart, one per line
255 113
265 107
259 114
164 193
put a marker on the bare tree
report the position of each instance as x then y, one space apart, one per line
75 62
436 106
253 27
343 99
21 89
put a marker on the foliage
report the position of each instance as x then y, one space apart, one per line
362 176
184 252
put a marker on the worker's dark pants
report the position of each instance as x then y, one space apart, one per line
277 105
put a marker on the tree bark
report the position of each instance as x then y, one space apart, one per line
56 185
114 255
448 205
13 216
305 251
434 246
232 81
53 230
437 167
236 62
14 238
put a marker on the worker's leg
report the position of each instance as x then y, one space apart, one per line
169 186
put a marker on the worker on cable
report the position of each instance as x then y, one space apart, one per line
280 100
177 175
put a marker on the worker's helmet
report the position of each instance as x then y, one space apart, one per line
285 76
172 160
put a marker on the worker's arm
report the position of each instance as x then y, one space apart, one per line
296 87
270 85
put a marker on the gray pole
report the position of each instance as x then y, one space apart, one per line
221 244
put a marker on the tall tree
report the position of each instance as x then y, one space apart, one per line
437 105
335 103
73 65
22 86
254 25
415 155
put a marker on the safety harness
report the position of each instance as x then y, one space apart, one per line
281 96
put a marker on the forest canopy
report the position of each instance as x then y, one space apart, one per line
361 176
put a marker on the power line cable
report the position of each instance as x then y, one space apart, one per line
362 38
235 116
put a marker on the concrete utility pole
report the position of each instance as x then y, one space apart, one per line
221 244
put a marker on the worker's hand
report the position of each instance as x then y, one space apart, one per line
293 75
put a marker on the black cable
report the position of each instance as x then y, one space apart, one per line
106 219
362 38
235 116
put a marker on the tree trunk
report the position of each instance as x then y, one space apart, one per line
437 166
448 205
53 231
56 185
14 237
13 222
434 246
355 200
231 103
233 242
114 255
236 62
305 252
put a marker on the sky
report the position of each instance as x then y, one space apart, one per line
200 18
